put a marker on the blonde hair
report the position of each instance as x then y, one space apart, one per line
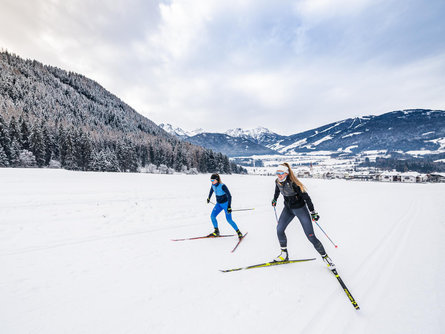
293 178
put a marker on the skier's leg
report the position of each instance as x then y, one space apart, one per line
285 218
216 210
229 216
306 222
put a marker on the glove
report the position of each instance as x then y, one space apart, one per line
229 209
208 200
315 215
274 202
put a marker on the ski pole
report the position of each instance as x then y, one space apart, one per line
236 209
275 210
324 233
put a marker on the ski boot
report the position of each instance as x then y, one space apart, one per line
328 261
215 233
284 256
240 235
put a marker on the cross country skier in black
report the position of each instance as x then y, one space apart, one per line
297 203
223 202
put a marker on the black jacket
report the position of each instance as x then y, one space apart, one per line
294 198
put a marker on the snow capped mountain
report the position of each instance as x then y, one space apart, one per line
196 132
234 142
414 132
228 145
397 131
256 133
259 135
178 132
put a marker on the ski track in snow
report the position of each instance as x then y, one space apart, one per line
92 253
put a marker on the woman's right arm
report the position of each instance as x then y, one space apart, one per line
277 192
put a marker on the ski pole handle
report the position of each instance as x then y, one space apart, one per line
324 233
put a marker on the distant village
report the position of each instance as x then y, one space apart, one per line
362 175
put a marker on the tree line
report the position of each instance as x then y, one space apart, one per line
23 144
420 165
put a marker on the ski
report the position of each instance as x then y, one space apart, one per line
345 289
205 237
239 241
267 264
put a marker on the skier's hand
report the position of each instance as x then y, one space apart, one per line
274 202
229 209
315 215
208 200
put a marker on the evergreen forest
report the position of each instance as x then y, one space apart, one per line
53 118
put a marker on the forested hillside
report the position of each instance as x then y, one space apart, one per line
51 117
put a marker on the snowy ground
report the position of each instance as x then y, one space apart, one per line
92 253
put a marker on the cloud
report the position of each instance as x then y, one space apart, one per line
288 65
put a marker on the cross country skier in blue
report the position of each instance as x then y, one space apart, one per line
223 202
297 203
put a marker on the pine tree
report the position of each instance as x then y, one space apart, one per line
203 162
99 161
15 153
211 163
27 159
151 154
24 133
61 144
14 131
105 161
70 159
179 158
226 164
127 157
5 140
112 161
37 146
144 156
84 151
48 142
3 158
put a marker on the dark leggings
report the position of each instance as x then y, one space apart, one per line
305 219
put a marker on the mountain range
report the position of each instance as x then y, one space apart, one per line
409 132
51 117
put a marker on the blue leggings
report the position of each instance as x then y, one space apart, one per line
215 212
305 219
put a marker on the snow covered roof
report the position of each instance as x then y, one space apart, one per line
438 174
392 173
413 174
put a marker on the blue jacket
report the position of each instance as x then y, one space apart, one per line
222 193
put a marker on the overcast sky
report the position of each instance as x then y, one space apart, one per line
287 65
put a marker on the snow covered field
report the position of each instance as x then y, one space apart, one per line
92 253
